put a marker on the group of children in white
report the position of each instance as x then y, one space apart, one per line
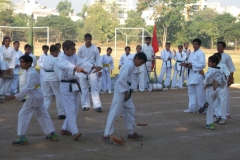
68 74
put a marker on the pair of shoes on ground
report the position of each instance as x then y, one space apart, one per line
96 109
134 136
210 126
24 141
220 121
66 133
61 117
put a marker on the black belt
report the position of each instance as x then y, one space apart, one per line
170 63
70 85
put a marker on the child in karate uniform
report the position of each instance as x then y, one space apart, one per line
69 63
45 49
100 78
180 57
125 57
51 84
108 66
214 79
122 101
34 104
138 74
220 104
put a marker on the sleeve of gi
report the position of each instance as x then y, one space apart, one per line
199 63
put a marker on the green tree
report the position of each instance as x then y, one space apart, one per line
83 13
232 33
21 20
99 23
64 7
60 27
6 18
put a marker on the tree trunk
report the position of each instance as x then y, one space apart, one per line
235 44
164 38
212 42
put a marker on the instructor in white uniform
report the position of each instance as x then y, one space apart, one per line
90 53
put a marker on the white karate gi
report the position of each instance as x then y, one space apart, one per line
178 70
34 104
195 80
227 60
22 72
2 65
138 78
220 104
166 67
7 55
100 79
145 75
51 83
92 56
118 105
108 65
185 72
217 75
124 58
70 99
40 63
15 81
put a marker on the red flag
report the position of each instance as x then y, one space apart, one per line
154 43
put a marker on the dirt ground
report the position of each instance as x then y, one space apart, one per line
170 134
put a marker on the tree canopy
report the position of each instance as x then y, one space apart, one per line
64 7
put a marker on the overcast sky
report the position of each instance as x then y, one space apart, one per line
77 4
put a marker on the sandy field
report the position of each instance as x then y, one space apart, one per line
170 134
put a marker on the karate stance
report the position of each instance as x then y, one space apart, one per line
34 104
90 53
122 101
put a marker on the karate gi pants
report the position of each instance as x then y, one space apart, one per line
119 106
210 97
147 68
168 71
5 86
71 105
50 88
228 102
106 80
220 104
177 80
15 83
196 96
99 83
85 98
142 81
42 116
22 79
135 81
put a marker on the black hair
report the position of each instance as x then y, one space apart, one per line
27 46
68 44
222 43
5 39
99 49
58 45
168 43
45 47
180 46
53 48
127 48
198 41
138 46
16 42
87 35
150 38
142 56
218 54
109 48
214 59
27 59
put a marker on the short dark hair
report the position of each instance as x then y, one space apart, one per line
27 46
142 56
27 59
218 54
197 40
146 38
222 43
45 47
58 45
87 35
127 48
168 43
68 44
138 46
53 48
180 46
109 48
5 39
214 59
16 42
